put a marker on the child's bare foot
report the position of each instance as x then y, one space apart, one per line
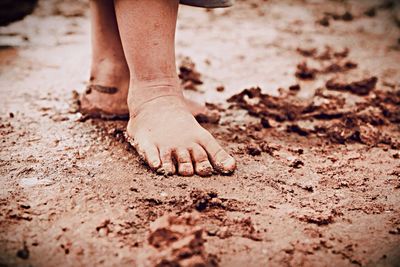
170 140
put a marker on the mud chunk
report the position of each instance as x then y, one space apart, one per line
342 54
339 132
371 115
162 235
346 16
25 206
352 128
213 106
281 108
369 135
389 103
327 54
269 148
220 88
371 12
118 134
59 118
324 21
362 87
203 199
307 52
327 114
295 128
303 72
75 102
177 241
188 74
295 87
395 231
23 253
317 218
265 123
253 150
336 67
308 188
296 164
104 228
250 231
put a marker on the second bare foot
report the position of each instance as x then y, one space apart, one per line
107 92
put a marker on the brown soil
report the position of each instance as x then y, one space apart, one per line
188 74
318 179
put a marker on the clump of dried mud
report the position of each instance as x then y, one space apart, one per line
327 115
189 76
371 117
176 241
329 61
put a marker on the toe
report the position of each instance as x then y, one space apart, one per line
167 164
185 165
221 160
152 156
201 163
148 152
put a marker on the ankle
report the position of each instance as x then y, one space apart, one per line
144 91
109 71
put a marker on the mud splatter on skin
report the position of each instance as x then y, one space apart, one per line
101 89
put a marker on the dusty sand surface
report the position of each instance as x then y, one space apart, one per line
318 183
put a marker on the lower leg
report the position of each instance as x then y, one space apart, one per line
163 130
147 33
108 67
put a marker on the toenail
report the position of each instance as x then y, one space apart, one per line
228 161
155 163
165 170
227 166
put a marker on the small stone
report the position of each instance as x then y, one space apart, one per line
23 253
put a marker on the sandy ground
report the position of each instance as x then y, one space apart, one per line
75 194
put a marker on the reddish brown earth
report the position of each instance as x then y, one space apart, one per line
318 179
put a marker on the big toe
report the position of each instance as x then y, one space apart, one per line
221 160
